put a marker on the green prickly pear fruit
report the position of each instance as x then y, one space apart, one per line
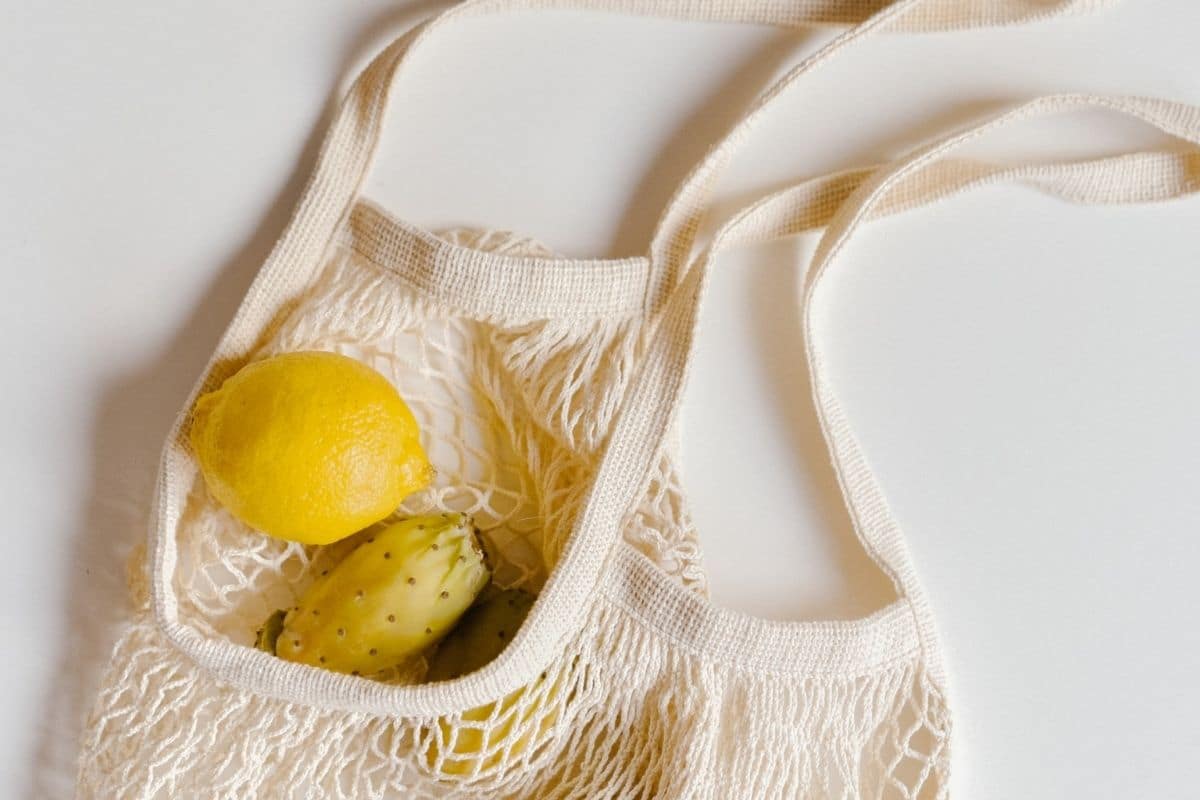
481 635
479 739
268 634
396 594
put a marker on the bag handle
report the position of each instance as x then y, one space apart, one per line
349 147
675 235
845 201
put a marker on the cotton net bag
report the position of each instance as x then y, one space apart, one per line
546 389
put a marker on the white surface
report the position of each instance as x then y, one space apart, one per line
1022 373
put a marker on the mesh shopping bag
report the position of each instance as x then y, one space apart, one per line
546 389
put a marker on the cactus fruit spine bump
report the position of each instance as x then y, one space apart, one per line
396 594
480 635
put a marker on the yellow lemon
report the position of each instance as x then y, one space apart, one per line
308 446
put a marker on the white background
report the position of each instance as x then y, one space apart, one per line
1022 373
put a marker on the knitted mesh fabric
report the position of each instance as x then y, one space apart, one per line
546 390
513 410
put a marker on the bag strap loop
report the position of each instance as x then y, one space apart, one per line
350 145
675 236
843 202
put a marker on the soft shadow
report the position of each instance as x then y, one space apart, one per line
378 31
696 134
887 147
780 339
727 104
939 122
781 353
133 415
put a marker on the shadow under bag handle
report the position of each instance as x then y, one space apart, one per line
844 201
675 235
350 144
